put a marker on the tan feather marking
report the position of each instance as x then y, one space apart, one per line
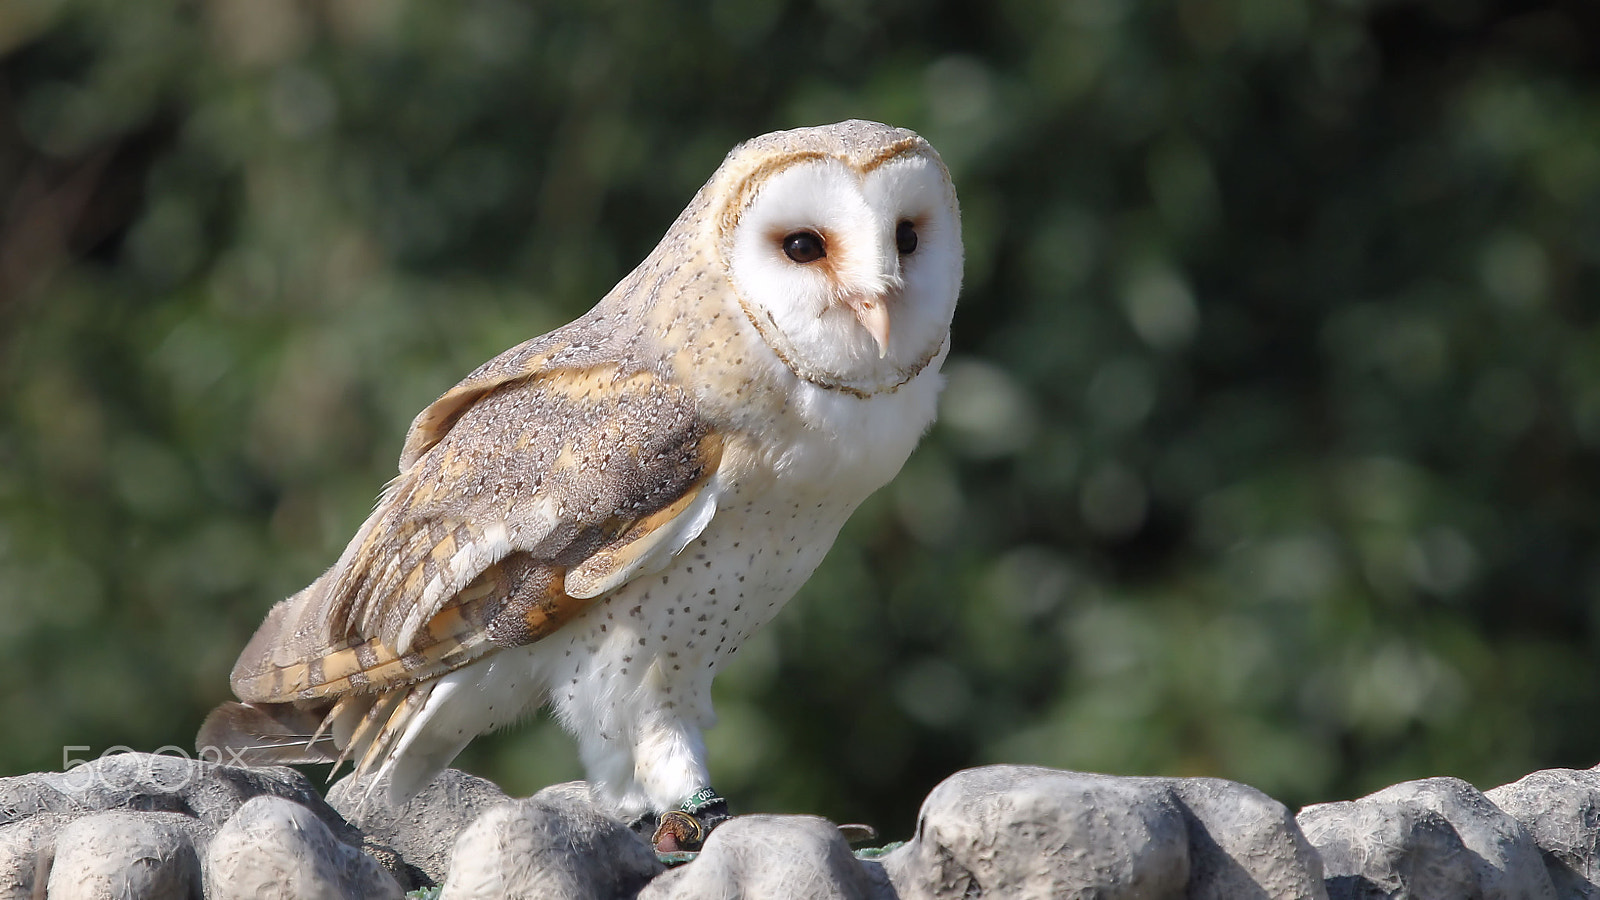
468 554
415 697
427 638
553 609
338 709
339 664
449 625
379 569
314 671
283 682
585 388
444 551
372 673
413 586
453 637
565 459
750 184
360 736
437 556
393 670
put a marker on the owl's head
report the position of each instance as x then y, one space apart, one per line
843 244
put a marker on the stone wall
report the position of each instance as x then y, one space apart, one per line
137 825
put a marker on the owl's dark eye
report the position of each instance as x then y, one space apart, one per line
905 237
804 246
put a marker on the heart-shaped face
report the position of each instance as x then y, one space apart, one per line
847 258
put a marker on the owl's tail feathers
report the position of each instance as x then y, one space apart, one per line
268 734
362 727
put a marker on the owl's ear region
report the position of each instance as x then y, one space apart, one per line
872 311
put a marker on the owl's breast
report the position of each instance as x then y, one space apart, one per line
787 481
839 445
783 495
674 628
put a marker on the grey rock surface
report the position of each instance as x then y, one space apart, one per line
1244 845
773 858
27 848
1023 831
1019 831
1435 838
196 798
1560 808
555 844
273 848
207 792
125 855
423 832
159 826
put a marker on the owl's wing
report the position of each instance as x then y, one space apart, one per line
524 495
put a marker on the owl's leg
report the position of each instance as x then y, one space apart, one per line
669 767
608 764
669 760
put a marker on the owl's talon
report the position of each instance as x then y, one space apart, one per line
687 827
678 831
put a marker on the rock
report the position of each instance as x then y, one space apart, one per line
1438 837
39 811
1560 808
423 832
778 857
557 843
125 855
207 792
1021 831
274 848
1043 832
140 825
1244 845
27 848
1372 850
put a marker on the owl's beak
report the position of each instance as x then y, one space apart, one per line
872 311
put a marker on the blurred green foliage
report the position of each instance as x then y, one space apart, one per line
1271 438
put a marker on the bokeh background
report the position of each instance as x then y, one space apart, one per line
1271 446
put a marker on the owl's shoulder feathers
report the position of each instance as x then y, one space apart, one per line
548 477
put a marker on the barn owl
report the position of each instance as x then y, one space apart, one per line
595 519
